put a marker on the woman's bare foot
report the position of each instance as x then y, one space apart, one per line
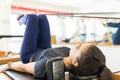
4 67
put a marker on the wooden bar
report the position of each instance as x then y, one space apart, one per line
2 54
117 76
4 60
53 39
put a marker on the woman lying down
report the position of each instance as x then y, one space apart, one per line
82 60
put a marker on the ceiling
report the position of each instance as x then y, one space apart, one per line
104 7
67 3
89 5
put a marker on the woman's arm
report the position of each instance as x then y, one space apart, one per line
19 66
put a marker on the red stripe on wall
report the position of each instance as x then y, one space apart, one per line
23 8
51 12
13 7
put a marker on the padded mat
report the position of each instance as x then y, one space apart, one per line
14 75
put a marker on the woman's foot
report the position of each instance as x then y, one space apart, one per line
4 67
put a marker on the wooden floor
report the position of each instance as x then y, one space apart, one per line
4 77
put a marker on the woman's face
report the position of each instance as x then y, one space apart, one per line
77 50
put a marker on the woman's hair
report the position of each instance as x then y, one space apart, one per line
92 62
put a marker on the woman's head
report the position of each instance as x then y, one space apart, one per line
87 59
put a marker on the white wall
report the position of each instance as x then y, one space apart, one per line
4 21
4 17
112 54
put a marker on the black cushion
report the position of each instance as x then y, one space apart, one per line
55 69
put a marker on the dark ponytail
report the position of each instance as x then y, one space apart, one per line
106 74
92 62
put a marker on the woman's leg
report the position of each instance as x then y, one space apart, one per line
30 38
37 36
116 37
44 35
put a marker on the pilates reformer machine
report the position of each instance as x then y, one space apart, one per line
4 59
55 71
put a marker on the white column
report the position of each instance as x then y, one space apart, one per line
4 21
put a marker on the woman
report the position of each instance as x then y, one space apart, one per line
116 36
81 60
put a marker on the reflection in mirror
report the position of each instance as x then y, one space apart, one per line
72 29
